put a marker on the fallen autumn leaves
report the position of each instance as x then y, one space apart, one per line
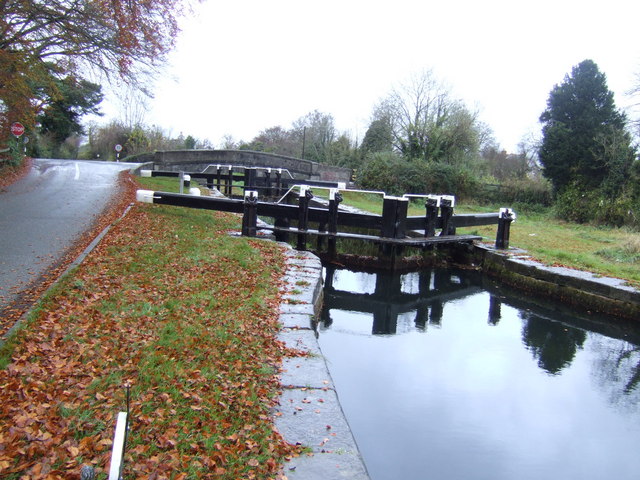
171 305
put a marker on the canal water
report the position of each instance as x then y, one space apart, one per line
444 375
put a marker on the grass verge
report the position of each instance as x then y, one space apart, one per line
186 315
605 251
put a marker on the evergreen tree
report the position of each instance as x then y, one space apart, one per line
72 100
379 136
189 143
580 126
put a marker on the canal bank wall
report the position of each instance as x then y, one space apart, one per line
585 291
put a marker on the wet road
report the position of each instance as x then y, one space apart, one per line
45 212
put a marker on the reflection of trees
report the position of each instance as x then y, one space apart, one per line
614 347
553 344
617 369
628 357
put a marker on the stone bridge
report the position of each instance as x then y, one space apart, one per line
198 160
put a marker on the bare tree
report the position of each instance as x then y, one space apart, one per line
132 106
317 132
427 122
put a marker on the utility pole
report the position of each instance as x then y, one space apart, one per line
304 138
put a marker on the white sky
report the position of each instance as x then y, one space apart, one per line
245 65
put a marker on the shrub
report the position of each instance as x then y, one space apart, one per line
13 154
392 174
618 212
525 191
580 205
577 204
381 171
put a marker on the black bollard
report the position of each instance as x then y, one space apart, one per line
504 227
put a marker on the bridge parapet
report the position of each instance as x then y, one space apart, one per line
197 160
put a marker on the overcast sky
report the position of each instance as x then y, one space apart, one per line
245 65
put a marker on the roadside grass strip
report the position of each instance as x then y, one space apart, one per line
184 314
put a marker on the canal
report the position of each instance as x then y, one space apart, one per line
443 374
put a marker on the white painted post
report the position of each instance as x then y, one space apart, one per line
117 451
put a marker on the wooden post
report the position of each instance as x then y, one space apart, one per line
267 183
229 189
250 178
330 272
334 202
394 219
402 209
218 178
250 217
322 227
303 216
447 202
210 181
504 226
279 182
432 205
282 223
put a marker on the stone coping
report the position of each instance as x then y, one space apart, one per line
582 289
309 411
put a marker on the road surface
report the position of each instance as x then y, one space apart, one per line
42 215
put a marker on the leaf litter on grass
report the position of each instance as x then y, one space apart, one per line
187 316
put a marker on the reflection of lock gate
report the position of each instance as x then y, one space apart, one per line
388 300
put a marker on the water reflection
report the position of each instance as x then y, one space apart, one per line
444 375
553 344
394 294
423 295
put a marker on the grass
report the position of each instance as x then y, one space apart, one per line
162 184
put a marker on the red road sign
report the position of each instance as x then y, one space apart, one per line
17 129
